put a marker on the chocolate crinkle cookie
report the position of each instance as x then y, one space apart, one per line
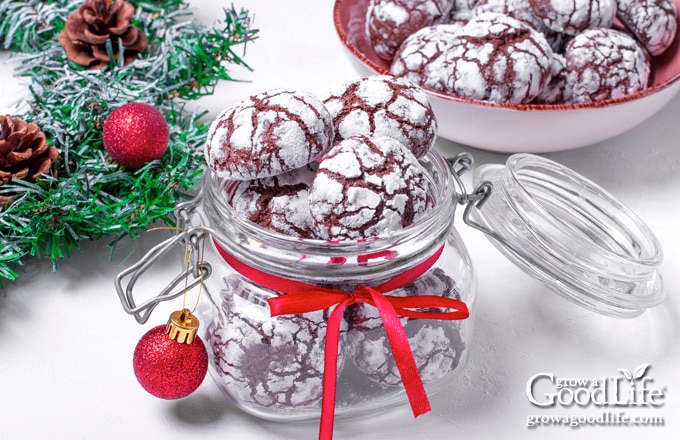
653 22
389 22
574 16
554 92
520 10
268 134
383 106
437 346
498 58
271 362
603 64
367 187
418 56
278 203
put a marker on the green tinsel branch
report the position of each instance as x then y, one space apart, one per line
92 197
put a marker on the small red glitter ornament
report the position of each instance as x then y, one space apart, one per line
135 134
170 361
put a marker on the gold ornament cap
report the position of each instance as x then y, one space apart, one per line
182 326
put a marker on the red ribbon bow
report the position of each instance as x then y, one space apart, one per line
303 298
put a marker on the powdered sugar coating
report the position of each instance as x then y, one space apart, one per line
498 58
271 362
268 134
437 346
416 59
520 10
367 187
383 106
278 203
555 91
574 16
603 64
653 22
389 22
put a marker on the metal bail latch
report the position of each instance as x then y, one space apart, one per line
196 270
459 165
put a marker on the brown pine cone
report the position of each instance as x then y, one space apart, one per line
24 153
96 21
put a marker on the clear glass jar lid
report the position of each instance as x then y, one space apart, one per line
569 234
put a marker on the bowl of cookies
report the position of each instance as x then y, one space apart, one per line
522 75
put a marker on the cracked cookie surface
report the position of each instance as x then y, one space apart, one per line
498 58
389 22
653 22
383 106
278 202
268 134
574 16
416 59
604 63
367 187
270 362
437 346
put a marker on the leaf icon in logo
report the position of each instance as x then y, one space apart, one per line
627 374
640 371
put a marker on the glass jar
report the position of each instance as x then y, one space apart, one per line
560 228
273 367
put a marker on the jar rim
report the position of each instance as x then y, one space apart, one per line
649 255
249 241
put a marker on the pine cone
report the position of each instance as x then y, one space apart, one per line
96 21
24 152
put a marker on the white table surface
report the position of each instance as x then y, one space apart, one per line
66 345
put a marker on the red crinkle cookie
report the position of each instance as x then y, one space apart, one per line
278 203
437 346
416 59
603 64
367 187
384 106
389 22
574 16
653 22
268 134
264 361
497 58
521 10
555 91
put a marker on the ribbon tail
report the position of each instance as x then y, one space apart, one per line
330 375
403 355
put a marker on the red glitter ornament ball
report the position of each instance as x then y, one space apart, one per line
169 369
135 134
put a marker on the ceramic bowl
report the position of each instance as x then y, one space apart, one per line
529 128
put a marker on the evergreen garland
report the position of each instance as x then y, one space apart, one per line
91 197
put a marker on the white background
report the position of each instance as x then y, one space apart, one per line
66 345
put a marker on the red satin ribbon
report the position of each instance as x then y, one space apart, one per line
303 298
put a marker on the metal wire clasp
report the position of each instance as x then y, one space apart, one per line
459 165
197 270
